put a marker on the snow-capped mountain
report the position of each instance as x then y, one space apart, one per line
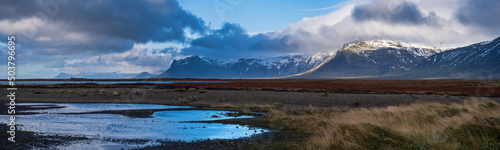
474 61
392 59
196 67
371 45
365 59
316 59
372 58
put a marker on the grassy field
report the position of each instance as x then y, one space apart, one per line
473 124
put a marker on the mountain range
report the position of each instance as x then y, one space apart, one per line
370 59
478 61
197 67
387 59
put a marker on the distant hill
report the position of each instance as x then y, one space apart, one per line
96 75
144 75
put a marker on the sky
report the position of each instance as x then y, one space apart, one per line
129 36
257 16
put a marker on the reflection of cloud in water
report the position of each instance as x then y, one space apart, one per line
162 125
90 107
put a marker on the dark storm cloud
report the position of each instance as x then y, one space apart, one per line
229 36
164 51
135 20
232 40
390 11
484 13
125 22
18 9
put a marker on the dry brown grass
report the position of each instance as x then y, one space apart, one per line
102 91
474 124
115 93
187 100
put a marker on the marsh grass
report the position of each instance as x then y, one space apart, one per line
102 91
473 124
179 89
240 112
137 92
187 100
323 94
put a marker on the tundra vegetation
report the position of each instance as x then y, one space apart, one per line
473 124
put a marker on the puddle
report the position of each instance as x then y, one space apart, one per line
169 124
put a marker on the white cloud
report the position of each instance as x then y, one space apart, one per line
313 24
434 23
21 26
136 60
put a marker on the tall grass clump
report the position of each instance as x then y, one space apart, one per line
473 124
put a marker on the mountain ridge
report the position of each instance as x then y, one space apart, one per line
197 67
358 59
375 59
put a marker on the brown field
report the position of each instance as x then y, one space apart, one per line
465 87
488 88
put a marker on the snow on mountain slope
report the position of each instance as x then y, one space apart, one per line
416 49
317 59
392 59
371 58
484 55
195 66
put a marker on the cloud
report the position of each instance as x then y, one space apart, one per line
96 23
407 20
230 36
482 13
138 59
391 12
48 31
231 39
